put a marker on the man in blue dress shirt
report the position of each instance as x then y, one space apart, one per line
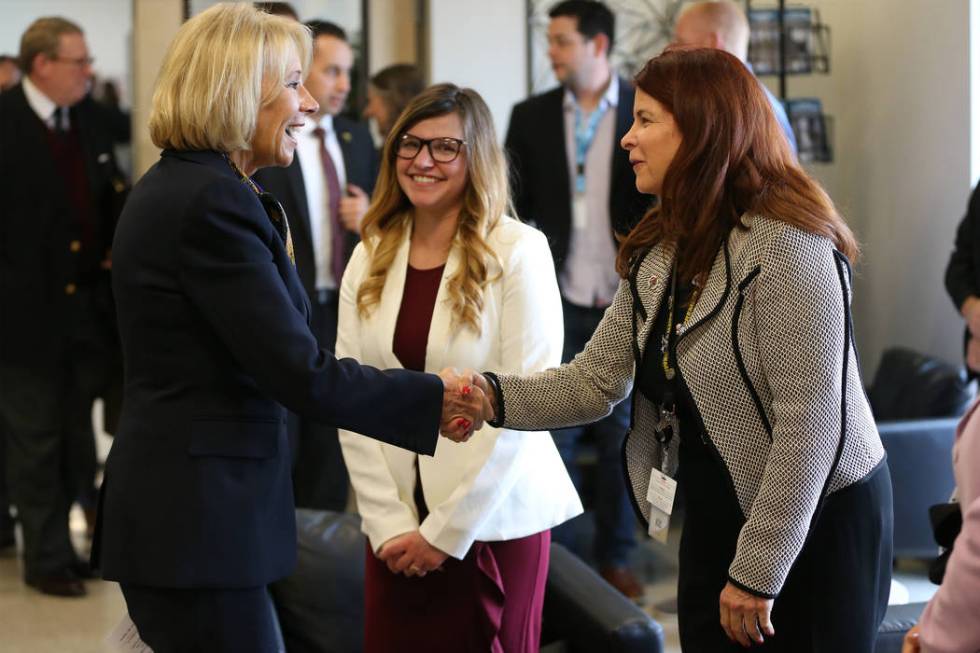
722 24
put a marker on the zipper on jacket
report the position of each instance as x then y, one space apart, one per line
739 361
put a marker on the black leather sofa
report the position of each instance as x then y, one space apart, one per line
320 606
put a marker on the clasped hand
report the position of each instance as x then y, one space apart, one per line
410 554
465 404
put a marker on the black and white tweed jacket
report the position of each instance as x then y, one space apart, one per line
767 354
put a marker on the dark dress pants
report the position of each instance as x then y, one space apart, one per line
836 594
615 536
50 445
204 620
320 479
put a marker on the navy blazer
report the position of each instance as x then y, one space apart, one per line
542 190
40 258
361 164
214 328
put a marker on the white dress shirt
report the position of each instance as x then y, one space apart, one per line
317 197
42 105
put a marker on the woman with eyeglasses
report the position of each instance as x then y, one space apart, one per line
458 543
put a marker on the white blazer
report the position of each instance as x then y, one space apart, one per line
501 484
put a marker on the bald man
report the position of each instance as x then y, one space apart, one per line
722 25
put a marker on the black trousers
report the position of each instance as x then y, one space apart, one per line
204 620
836 594
320 479
615 529
50 444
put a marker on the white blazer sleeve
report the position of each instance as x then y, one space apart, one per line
383 514
530 333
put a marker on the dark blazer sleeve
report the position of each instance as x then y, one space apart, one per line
230 274
961 272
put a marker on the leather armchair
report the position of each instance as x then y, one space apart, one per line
916 401
320 606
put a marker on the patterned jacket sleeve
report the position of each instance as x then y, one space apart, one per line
801 303
584 390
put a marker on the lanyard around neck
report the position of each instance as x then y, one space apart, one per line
585 130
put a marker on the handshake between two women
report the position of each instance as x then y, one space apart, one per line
467 402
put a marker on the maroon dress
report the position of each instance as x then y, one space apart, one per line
491 600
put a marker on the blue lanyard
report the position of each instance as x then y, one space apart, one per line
584 135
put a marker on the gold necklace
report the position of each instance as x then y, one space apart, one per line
272 207
670 371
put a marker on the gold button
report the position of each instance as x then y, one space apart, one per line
70 289
75 245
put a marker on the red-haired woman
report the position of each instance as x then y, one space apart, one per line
732 322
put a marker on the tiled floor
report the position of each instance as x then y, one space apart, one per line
33 623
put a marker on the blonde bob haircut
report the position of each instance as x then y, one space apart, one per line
485 199
224 65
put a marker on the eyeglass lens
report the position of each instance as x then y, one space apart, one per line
442 150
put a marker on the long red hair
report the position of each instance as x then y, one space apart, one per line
733 159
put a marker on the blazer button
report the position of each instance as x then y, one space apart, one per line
75 246
70 289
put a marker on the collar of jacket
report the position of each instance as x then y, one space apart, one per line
209 158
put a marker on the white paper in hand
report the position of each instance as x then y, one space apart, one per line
124 638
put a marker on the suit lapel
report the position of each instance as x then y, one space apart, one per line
346 138
301 222
624 118
31 135
714 292
652 284
391 302
553 140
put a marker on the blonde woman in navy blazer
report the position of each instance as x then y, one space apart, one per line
196 513
444 277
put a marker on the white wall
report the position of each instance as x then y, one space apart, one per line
107 25
899 93
482 45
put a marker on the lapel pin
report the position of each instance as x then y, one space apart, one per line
346 136
653 280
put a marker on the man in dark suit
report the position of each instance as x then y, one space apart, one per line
325 194
61 191
573 181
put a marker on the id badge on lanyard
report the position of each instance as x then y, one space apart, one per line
660 494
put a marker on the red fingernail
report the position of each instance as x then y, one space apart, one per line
466 424
460 422
466 390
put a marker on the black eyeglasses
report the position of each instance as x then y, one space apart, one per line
442 150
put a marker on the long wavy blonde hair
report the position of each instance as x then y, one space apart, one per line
485 199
